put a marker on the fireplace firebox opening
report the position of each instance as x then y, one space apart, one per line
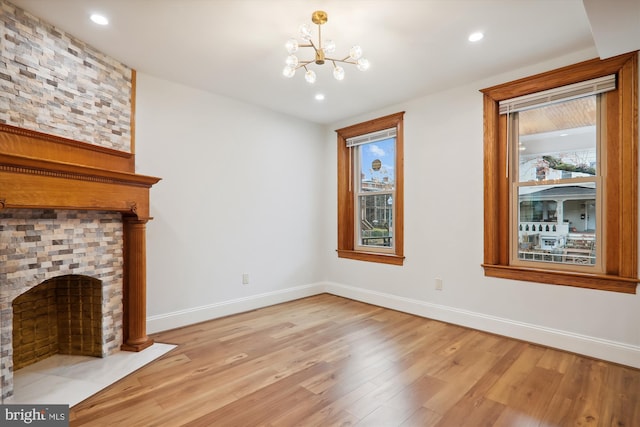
62 315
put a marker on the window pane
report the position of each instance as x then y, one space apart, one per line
376 220
377 165
557 223
376 185
558 141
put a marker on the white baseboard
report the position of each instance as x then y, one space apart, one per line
177 319
599 348
612 351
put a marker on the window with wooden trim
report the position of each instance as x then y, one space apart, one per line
371 191
560 176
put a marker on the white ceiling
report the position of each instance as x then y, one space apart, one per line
235 48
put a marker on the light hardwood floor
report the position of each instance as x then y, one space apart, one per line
330 361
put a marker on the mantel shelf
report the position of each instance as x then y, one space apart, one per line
35 173
34 166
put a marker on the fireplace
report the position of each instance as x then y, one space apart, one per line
73 212
62 283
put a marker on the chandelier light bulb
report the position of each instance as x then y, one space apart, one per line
288 71
338 73
292 61
292 46
305 32
329 47
355 53
363 64
310 76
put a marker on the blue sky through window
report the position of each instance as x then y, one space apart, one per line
385 152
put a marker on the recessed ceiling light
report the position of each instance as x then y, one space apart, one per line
475 37
99 19
319 97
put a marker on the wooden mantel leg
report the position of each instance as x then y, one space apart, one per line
135 285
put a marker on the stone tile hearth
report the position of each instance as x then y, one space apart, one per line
63 379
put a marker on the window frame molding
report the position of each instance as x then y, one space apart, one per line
621 195
346 193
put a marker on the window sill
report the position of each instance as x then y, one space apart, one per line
371 257
581 280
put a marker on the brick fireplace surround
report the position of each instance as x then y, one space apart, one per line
79 211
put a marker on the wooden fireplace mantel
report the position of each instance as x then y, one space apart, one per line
41 171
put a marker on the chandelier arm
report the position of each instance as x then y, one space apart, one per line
311 44
303 64
344 61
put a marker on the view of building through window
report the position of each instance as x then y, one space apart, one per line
375 186
557 182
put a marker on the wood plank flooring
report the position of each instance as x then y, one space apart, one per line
330 361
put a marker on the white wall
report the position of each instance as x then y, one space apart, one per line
239 194
444 239
248 190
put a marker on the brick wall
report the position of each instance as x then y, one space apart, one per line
62 315
54 83
37 245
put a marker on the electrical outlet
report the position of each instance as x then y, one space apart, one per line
438 284
245 278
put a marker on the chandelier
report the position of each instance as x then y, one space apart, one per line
322 51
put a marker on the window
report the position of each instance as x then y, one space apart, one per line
370 190
374 164
556 184
561 176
